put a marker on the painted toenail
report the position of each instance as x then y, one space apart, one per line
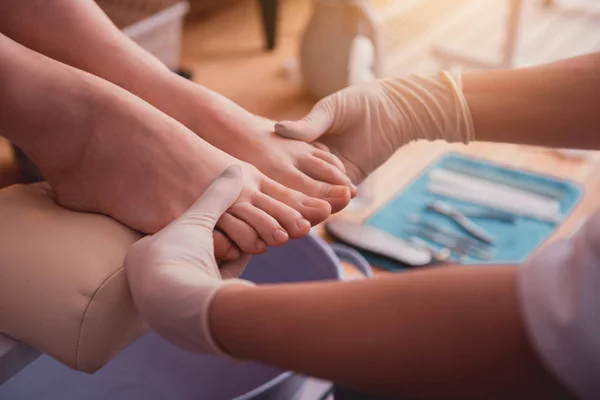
232 254
280 236
338 191
303 224
312 202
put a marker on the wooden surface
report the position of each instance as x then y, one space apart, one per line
225 53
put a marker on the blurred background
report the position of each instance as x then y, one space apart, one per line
272 56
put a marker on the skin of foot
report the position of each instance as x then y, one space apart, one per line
105 150
180 166
81 35
312 170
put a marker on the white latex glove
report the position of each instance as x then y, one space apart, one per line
173 274
364 125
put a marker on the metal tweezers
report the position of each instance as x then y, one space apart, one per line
463 221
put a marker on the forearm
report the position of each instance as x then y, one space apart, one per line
78 33
57 113
554 105
452 332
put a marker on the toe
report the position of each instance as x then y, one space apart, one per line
312 209
338 197
265 225
325 181
324 154
224 249
315 210
322 171
242 234
290 219
331 158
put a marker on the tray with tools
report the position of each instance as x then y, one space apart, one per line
462 210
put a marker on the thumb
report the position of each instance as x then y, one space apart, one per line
311 127
216 199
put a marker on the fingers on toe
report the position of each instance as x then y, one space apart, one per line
336 196
290 219
244 235
264 224
313 209
224 249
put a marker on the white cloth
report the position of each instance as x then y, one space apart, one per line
560 297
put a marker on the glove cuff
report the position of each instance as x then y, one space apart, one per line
464 127
431 107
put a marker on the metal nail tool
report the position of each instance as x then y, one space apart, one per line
462 220
443 254
454 243
505 205
488 213
444 230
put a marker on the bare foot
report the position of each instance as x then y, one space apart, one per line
107 151
155 176
311 170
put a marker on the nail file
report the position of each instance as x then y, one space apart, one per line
376 241
537 188
494 190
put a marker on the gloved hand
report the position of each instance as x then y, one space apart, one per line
173 274
364 125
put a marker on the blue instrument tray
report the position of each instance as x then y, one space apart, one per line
515 241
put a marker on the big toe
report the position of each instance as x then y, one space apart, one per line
312 209
324 179
290 219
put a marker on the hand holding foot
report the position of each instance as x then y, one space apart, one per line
104 150
173 274
310 170
364 125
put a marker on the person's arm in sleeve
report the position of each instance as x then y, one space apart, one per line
560 298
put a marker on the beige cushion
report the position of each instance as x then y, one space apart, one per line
63 289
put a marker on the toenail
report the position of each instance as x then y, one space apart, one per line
312 202
338 191
232 254
260 245
280 236
303 224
